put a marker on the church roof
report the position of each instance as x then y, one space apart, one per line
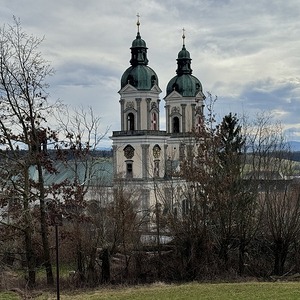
99 171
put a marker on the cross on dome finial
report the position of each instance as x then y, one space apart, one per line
138 22
183 35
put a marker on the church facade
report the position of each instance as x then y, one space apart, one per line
143 154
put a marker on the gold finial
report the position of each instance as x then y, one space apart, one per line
183 35
138 22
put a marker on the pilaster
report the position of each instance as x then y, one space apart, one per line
115 161
139 117
148 114
193 105
167 107
122 103
183 107
145 160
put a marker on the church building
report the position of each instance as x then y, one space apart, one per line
143 154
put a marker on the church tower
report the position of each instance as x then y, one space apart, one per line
184 102
138 148
139 91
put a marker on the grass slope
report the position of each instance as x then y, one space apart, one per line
192 291
8 296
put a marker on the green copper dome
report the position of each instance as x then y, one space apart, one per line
184 82
184 54
138 42
139 74
186 85
141 77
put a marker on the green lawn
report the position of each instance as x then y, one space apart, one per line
224 291
8 296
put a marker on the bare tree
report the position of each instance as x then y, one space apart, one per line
24 110
192 226
270 170
282 220
77 153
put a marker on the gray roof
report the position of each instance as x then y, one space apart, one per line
97 171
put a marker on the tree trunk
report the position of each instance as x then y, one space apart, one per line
46 248
80 262
30 257
92 276
105 266
223 253
280 254
44 228
159 262
242 250
188 258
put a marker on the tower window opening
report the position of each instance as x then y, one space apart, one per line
130 121
175 87
130 79
198 125
153 121
175 125
153 80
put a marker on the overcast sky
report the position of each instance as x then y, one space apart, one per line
245 52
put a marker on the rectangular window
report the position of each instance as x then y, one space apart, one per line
129 172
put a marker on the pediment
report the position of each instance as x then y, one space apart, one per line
156 89
128 88
200 95
173 96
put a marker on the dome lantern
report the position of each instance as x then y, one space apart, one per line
184 82
139 74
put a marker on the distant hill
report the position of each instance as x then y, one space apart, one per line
295 146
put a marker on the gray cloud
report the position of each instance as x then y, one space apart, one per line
246 52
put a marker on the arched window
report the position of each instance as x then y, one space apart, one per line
153 80
130 78
176 126
153 121
130 121
175 87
